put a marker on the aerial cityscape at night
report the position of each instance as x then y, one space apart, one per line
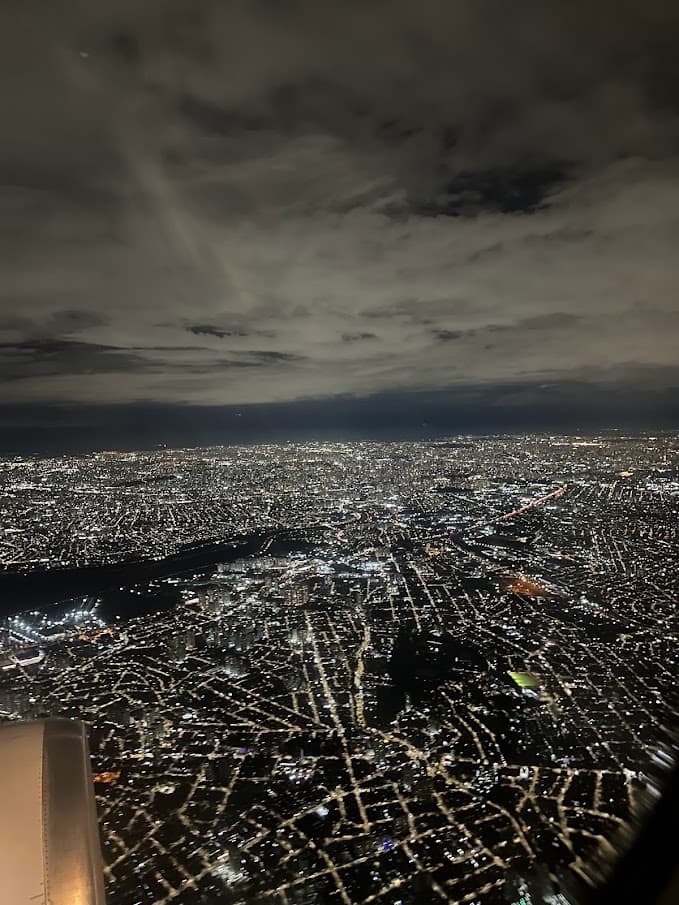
339 452
391 673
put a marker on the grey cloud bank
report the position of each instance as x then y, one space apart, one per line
256 203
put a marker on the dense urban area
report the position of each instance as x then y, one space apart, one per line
390 673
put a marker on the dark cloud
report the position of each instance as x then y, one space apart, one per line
446 336
357 337
266 356
224 332
48 358
519 189
211 330
490 191
245 359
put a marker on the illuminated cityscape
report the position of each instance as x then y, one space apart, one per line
339 453
391 673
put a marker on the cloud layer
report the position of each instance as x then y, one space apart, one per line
223 204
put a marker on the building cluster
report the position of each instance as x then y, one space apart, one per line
443 672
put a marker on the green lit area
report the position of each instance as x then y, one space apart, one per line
524 679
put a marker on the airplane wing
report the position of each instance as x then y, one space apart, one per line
49 837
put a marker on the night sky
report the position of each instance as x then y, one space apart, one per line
227 221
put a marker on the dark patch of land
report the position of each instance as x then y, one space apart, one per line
423 657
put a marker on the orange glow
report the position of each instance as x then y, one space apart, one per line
110 777
521 584
95 635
